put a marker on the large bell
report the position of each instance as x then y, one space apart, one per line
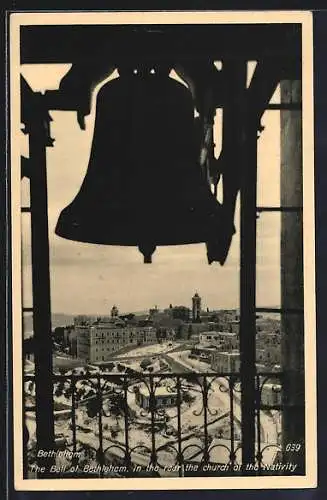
144 186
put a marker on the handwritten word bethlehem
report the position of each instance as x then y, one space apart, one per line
60 453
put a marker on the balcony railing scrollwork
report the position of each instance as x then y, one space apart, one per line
134 424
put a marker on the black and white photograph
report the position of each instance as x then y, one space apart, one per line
163 290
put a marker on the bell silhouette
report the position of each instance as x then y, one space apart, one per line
143 186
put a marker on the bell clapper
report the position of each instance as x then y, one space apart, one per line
147 249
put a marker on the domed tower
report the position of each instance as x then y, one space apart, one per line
196 307
114 312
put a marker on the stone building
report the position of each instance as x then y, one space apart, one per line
271 394
225 361
268 348
163 398
223 341
97 342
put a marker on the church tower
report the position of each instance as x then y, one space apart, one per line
114 312
196 307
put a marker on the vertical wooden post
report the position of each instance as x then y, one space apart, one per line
240 152
293 423
38 139
248 287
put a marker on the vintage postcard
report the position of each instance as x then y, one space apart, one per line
163 268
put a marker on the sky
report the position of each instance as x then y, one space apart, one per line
89 279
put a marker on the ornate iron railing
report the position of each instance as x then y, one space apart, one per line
162 424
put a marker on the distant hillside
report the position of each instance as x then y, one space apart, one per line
61 319
58 319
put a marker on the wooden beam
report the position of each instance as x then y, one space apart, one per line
267 75
73 43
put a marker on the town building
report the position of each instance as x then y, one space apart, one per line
211 342
179 312
224 341
153 310
163 397
267 338
202 352
233 326
271 394
268 324
97 342
225 362
84 319
268 347
165 334
187 330
268 356
262 368
208 338
70 340
226 320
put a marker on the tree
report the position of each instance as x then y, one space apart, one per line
58 335
179 331
80 393
188 398
110 366
220 433
68 391
93 407
114 433
61 386
91 392
145 363
116 405
58 392
28 347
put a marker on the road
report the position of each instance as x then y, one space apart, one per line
176 366
269 430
